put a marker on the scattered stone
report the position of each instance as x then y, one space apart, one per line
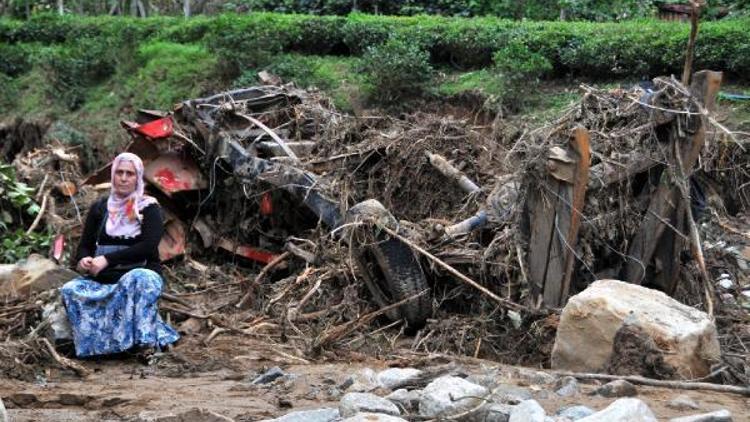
194 415
373 417
591 318
407 400
450 395
575 412
535 377
717 416
494 412
363 381
683 402
269 376
510 394
728 298
489 377
617 388
396 377
353 403
317 415
566 387
726 283
623 410
528 411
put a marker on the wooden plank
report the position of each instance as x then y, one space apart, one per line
541 209
580 143
664 202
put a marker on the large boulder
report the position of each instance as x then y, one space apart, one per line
590 320
34 274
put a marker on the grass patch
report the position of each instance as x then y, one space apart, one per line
170 72
339 77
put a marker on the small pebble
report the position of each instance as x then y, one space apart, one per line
617 388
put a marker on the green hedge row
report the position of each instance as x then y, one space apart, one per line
635 48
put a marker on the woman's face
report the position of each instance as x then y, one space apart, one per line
125 179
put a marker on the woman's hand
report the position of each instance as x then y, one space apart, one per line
84 265
97 264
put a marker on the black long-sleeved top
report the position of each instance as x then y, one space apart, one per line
142 247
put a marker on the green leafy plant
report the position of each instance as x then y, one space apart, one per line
16 203
14 196
397 68
520 69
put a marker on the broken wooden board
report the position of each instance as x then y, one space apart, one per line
662 211
555 219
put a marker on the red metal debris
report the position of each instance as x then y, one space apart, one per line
156 129
171 172
266 204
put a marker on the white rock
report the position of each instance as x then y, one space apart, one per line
535 377
396 377
683 402
363 381
726 283
494 412
623 410
316 415
448 396
575 413
405 399
591 318
528 411
353 403
3 412
617 388
194 415
510 394
566 387
373 417
717 416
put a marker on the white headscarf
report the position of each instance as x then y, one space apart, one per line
124 214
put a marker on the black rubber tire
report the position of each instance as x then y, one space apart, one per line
392 273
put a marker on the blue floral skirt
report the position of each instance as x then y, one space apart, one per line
111 318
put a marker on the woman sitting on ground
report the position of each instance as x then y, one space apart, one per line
113 307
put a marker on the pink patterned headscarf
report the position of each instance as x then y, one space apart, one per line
124 219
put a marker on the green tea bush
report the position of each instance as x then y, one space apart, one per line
71 69
520 69
240 43
397 68
15 59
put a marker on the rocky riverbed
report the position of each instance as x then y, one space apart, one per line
240 379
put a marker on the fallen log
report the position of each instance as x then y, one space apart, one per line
679 385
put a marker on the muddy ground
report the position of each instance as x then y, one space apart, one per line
218 377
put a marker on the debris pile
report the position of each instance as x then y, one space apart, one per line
467 238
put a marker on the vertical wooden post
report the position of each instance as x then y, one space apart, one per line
666 201
555 213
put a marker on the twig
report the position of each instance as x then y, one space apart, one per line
680 385
695 240
251 289
216 331
690 52
39 215
346 328
79 369
172 298
503 302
